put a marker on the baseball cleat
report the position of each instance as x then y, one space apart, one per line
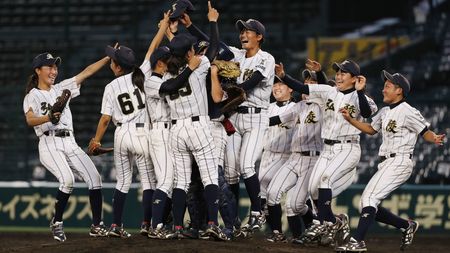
98 231
215 232
276 236
177 233
58 230
352 246
408 234
118 231
158 233
314 232
145 228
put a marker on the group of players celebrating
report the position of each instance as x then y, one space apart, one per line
191 152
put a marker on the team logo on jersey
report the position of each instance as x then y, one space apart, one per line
282 125
311 118
45 107
391 126
351 109
247 74
329 105
261 65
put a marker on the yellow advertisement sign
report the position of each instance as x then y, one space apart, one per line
329 50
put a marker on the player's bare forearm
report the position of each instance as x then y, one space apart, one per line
91 69
432 137
33 120
101 127
163 25
362 126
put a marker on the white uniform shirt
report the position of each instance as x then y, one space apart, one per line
262 62
157 106
308 119
40 101
400 127
191 99
278 138
124 102
335 127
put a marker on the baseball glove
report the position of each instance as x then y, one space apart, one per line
59 106
95 148
227 69
236 95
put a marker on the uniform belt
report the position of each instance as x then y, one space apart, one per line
195 118
58 133
310 153
383 158
137 124
332 142
245 109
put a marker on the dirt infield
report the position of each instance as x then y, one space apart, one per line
76 242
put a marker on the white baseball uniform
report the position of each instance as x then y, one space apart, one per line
293 177
58 150
245 146
159 112
336 166
277 145
190 134
400 126
125 103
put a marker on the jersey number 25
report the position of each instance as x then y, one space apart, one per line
126 103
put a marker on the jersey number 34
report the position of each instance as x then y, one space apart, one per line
126 103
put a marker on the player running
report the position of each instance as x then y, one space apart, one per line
336 166
400 124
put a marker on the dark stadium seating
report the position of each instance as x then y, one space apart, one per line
78 30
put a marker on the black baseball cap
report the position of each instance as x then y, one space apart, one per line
251 24
348 66
123 56
160 53
45 59
200 46
397 79
179 7
181 44
309 74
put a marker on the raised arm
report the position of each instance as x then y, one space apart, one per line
289 81
364 106
362 126
213 16
91 69
163 26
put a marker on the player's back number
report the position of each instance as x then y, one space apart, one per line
126 103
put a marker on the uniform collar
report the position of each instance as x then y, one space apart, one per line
392 106
282 103
348 91
156 74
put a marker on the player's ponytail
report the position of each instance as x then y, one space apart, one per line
138 78
33 81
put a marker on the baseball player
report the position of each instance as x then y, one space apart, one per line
400 124
190 135
124 103
293 176
245 146
336 165
277 140
58 150
227 202
159 113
